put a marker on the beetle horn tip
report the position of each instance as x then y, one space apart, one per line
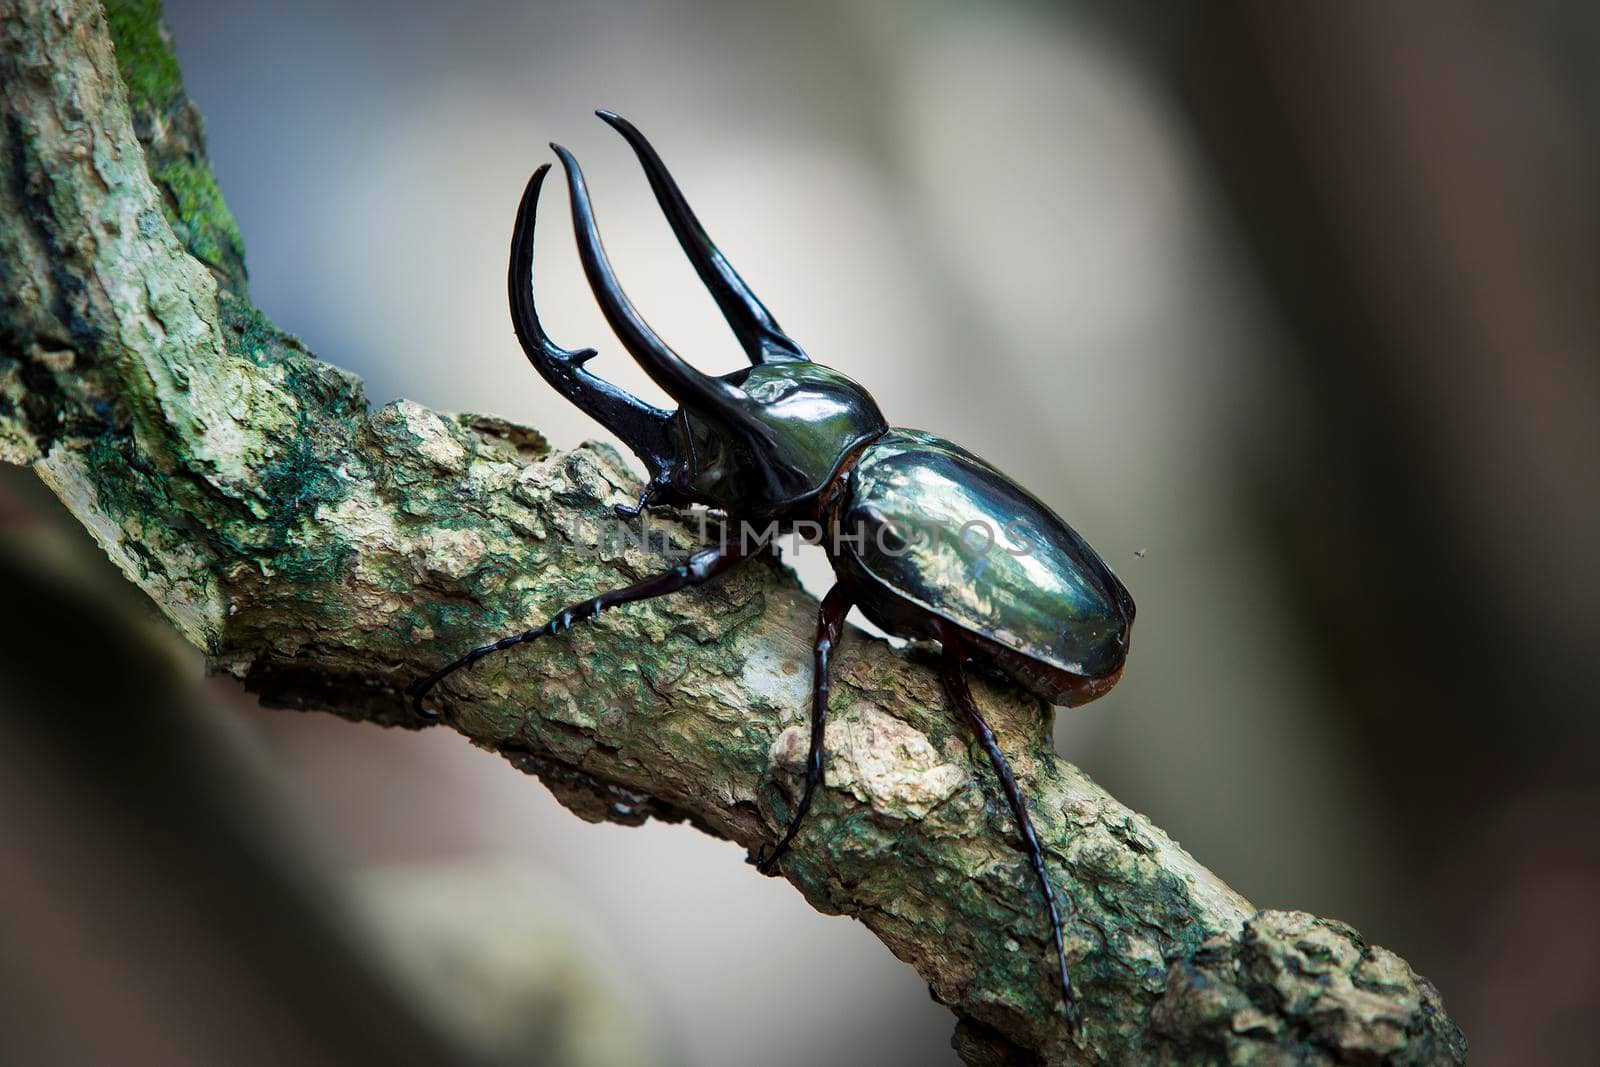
629 131
568 163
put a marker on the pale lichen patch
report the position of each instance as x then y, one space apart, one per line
362 521
448 553
889 764
772 675
227 418
559 703
435 441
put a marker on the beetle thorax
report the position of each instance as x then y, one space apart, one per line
780 443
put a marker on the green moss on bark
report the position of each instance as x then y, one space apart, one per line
145 58
198 214
170 130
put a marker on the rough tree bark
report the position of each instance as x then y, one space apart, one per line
327 555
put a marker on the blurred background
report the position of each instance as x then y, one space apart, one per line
1291 310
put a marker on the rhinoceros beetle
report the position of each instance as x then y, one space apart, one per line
789 439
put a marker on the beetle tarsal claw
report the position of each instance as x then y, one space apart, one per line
763 862
416 691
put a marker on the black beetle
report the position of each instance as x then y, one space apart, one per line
790 440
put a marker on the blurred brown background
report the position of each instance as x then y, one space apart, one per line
1298 300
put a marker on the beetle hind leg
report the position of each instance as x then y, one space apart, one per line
696 570
953 674
830 625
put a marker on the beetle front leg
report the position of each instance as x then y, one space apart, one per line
953 674
696 570
830 624
647 496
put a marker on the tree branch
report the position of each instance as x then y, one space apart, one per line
328 555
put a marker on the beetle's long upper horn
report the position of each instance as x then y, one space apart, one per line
758 332
669 370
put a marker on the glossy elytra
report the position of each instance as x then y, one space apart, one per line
926 539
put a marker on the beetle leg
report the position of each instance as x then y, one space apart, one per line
830 624
651 489
696 570
954 676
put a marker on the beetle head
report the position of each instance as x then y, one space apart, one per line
760 441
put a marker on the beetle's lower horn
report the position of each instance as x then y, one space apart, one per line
759 334
642 427
668 369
